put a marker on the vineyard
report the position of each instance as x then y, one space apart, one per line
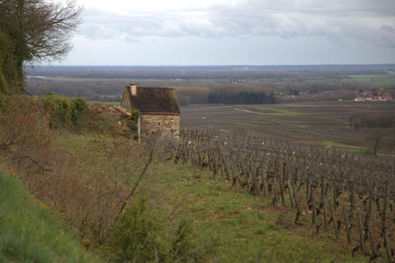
349 196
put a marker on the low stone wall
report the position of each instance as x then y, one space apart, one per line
168 125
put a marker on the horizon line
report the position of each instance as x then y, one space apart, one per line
216 65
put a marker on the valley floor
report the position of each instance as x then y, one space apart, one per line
315 122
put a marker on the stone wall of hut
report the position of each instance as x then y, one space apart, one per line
168 125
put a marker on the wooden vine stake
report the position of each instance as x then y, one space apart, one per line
347 225
361 236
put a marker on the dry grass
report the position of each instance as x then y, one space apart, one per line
89 189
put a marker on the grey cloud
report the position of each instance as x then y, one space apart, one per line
370 21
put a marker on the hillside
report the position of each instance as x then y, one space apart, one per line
231 226
237 226
183 201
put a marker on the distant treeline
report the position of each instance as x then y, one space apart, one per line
237 95
111 91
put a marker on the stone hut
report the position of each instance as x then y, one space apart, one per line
158 107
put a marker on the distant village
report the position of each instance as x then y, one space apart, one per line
373 95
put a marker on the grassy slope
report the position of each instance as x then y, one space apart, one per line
247 229
28 233
242 227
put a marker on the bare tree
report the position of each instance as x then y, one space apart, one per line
374 139
37 29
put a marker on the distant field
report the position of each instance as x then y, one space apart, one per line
325 123
378 79
374 79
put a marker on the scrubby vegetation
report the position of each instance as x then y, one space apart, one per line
29 232
132 123
140 236
92 186
65 111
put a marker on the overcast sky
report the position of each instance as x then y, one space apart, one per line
234 32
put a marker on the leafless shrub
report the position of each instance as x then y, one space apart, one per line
25 136
89 185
